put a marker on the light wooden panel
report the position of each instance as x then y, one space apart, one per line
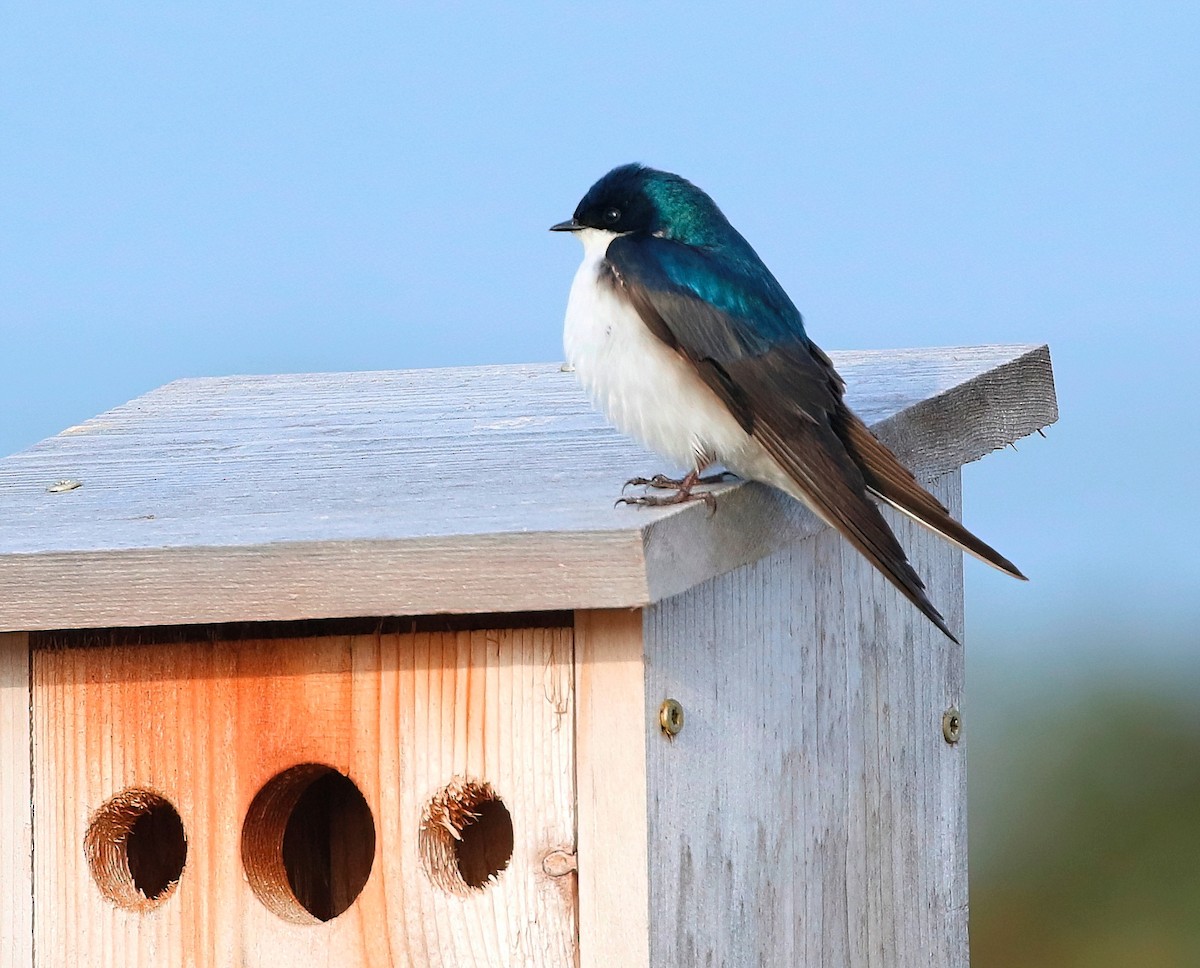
611 750
491 488
207 724
810 813
16 815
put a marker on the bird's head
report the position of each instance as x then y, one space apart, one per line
636 199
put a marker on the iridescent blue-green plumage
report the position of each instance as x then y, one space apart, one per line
712 260
700 287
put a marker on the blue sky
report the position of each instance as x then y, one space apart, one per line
227 188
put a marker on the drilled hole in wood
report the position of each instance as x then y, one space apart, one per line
136 849
308 843
466 837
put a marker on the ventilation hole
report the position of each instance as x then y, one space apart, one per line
136 849
466 837
308 843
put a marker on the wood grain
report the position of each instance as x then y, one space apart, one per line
610 729
16 819
206 725
336 495
810 813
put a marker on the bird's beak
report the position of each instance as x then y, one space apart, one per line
568 226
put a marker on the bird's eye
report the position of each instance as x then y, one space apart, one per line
612 216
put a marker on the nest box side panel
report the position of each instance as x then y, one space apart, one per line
610 729
335 801
16 818
811 811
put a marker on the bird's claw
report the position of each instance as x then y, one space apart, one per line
679 497
664 483
682 488
660 481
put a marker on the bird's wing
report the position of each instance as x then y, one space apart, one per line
891 481
747 342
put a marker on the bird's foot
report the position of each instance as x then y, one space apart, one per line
662 482
682 496
683 491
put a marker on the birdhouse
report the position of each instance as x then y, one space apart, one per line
367 669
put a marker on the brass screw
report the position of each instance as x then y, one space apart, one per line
670 717
952 724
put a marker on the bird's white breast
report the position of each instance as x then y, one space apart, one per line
645 388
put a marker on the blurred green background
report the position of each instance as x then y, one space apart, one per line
1084 787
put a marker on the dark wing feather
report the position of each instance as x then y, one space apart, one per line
807 447
892 481
747 341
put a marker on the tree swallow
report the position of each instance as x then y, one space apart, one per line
683 338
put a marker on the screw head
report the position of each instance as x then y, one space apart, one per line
670 717
952 724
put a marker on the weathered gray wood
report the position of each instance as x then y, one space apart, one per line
810 813
463 490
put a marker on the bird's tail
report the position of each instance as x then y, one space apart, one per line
892 482
822 474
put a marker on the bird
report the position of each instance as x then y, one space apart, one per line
682 337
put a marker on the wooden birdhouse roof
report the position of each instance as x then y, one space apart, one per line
482 489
